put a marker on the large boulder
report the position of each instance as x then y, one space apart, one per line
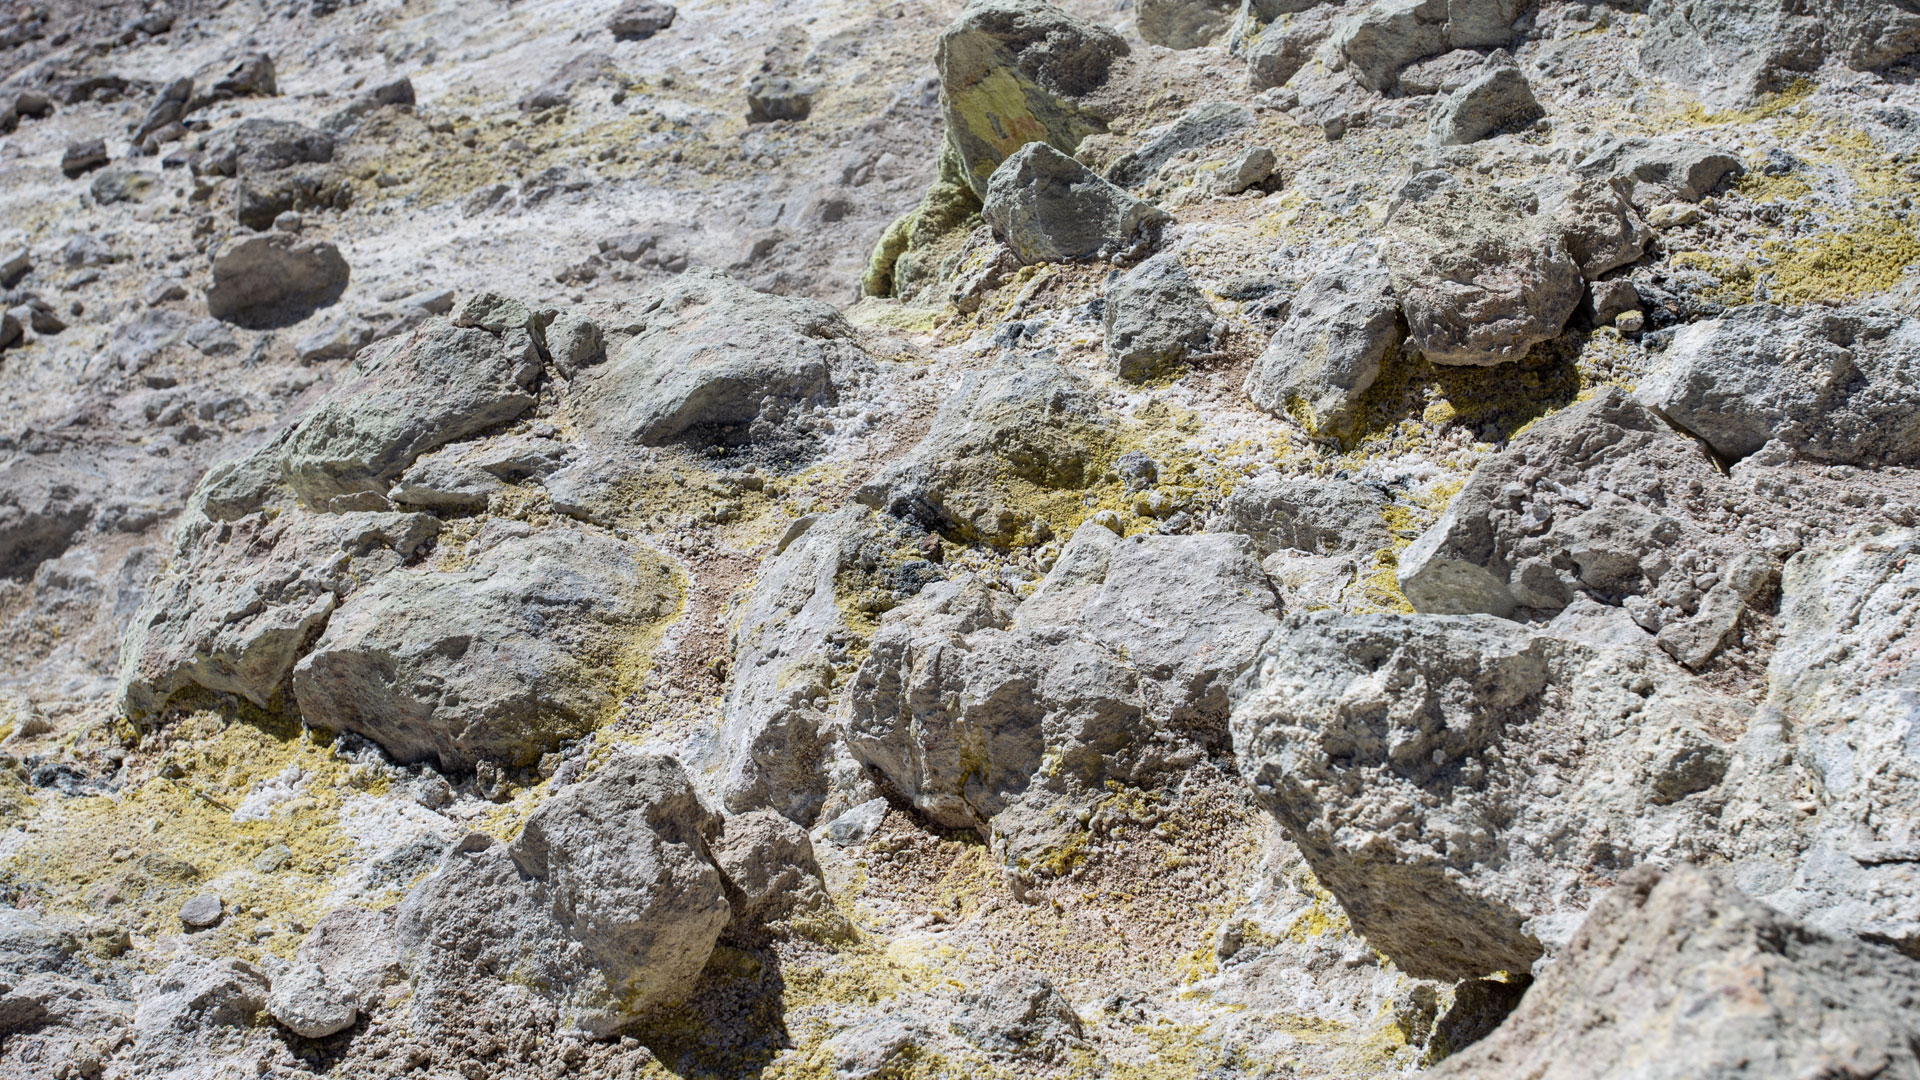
1839 386
1480 277
1004 439
1679 974
1732 54
1463 785
275 279
1007 717
1048 207
502 660
713 361
1156 319
402 398
596 930
1380 41
1342 326
795 638
1012 72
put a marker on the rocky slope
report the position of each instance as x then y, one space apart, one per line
1178 539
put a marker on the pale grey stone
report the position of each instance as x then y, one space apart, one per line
1048 207
1342 326
1156 318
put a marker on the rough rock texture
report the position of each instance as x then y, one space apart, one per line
1840 387
1732 54
1480 279
501 661
1183 24
772 876
1380 41
601 931
1680 974
1002 716
1342 326
274 278
1498 99
1659 170
1462 783
716 362
1197 128
1048 207
1156 318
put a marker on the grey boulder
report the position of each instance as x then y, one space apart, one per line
501 661
1385 37
637 20
1048 207
1679 974
340 971
1839 386
1497 100
1156 319
597 931
1183 24
274 279
1655 170
1341 328
1197 128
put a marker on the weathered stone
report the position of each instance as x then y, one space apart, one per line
773 881
1010 74
501 661
1680 974
83 157
1603 231
1341 328
1733 54
1018 1013
1840 386
1183 24
1319 517
1197 128
1462 784
1390 34
305 1003
202 911
1002 716
1048 207
121 185
777 97
1282 49
600 930
1480 279
1656 171
274 278
403 398
1156 318
1252 168
1497 100
715 362
637 20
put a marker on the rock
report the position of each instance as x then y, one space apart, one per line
244 595
274 278
121 185
1657 171
252 75
180 1013
1498 100
1254 167
1602 230
83 157
1000 435
1480 280
1284 48
163 290
502 661
43 507
1681 967
1011 73
11 332
170 107
1840 386
790 647
1183 24
1613 301
1462 783
211 337
1731 55
1379 42
255 147
771 874
51 990
337 337
1048 207
714 362
84 250
355 952
1319 517
401 399
1197 128
305 1003
601 931
1003 717
1018 1013
1157 319
856 826
574 342
202 911
1343 325
15 265
777 97
637 20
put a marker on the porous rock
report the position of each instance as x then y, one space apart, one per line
599 931
1341 328
1378 42
1183 24
1156 318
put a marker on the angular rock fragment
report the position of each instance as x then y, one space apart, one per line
273 279
1732 54
1680 974
1602 230
777 97
637 20
773 881
1048 207
1341 328
1286 46
83 157
1320 517
1183 24
1001 716
599 930
1657 171
1480 279
715 362
500 662
1199 127
1840 386
1156 318
1461 783
1497 100
1254 167
1388 35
